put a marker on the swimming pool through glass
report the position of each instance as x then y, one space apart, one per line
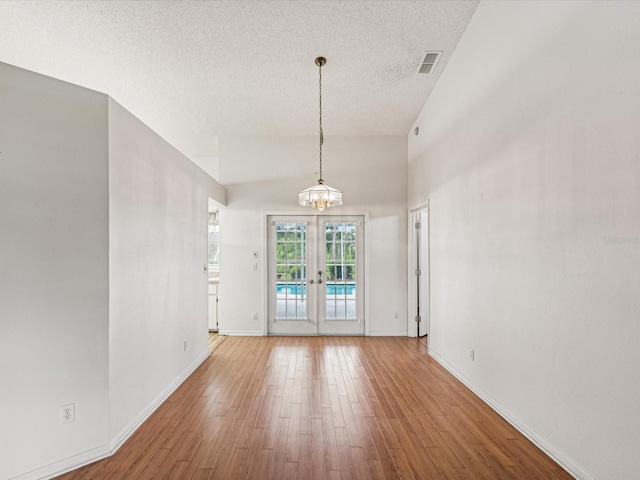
301 288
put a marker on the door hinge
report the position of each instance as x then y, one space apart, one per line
418 225
418 272
418 318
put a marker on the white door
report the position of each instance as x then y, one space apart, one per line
316 275
420 267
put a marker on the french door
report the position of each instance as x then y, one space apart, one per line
316 275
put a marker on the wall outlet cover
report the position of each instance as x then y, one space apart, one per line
68 413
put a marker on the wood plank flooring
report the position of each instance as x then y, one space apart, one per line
323 408
215 340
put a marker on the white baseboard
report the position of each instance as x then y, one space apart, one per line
67 464
241 333
547 447
134 424
389 333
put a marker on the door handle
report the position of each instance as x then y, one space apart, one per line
320 276
311 282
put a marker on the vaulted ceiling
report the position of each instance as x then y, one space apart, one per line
195 70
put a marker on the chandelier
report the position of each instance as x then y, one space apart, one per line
320 196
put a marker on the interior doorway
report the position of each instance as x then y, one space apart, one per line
213 266
419 273
315 275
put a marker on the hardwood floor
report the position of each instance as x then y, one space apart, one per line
215 340
323 408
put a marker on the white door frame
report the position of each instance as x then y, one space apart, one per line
316 213
411 264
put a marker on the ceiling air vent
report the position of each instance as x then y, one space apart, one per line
429 62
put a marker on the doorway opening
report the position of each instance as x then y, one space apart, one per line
419 274
213 247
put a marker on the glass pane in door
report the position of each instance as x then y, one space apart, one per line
341 260
291 270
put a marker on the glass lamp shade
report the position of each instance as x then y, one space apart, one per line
320 197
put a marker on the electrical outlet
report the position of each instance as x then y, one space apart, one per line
68 413
255 315
185 345
472 355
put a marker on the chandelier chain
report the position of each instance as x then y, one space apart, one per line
321 132
320 196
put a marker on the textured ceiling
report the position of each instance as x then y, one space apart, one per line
195 70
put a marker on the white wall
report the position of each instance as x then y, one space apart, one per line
102 247
265 175
528 152
53 271
158 204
